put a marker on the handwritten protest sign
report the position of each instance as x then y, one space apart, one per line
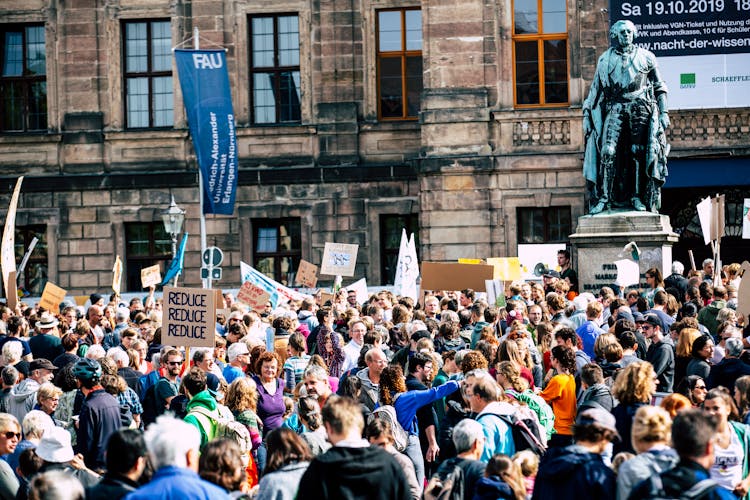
51 297
151 276
307 274
189 317
254 296
339 259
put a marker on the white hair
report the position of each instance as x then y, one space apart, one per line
56 485
122 314
35 424
12 352
169 440
466 433
677 267
95 352
118 356
449 315
415 326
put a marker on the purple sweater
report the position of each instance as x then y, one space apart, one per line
270 406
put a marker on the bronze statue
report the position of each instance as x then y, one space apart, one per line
624 123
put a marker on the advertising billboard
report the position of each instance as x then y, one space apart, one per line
702 46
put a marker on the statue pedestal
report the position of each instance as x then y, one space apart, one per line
599 241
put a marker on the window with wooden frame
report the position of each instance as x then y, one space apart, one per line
544 224
277 248
34 275
391 226
146 244
540 53
274 69
147 56
23 78
399 61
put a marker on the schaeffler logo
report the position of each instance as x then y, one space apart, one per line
687 80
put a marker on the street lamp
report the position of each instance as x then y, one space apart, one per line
173 217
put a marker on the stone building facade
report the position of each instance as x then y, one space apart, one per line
471 163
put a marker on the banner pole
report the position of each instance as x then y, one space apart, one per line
206 282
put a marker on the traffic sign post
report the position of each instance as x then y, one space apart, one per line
212 258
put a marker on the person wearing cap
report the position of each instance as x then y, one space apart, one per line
239 357
578 470
660 353
23 396
46 343
99 417
57 454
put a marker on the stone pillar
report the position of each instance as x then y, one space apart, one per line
599 241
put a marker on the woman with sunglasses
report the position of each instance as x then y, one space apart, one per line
694 388
10 435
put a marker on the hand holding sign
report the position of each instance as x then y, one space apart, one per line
189 317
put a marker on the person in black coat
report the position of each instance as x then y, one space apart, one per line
126 460
730 368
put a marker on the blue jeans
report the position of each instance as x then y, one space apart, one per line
414 452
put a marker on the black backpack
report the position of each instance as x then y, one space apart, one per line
448 482
695 492
150 408
454 413
525 433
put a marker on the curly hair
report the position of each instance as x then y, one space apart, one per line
242 395
651 424
265 357
221 463
635 383
472 360
566 357
392 383
285 447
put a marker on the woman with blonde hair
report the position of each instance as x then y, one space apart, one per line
509 378
683 353
511 351
652 427
634 387
242 401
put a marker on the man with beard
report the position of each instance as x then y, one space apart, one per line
315 380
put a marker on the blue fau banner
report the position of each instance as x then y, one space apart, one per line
205 91
175 267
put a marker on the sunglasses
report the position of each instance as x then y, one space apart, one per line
11 435
174 363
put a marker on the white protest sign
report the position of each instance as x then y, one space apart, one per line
360 287
339 259
628 272
746 219
189 317
150 276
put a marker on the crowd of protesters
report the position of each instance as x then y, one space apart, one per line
550 395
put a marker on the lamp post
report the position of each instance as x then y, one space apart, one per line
173 217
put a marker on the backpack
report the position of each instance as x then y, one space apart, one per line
448 482
224 427
388 413
695 492
525 433
150 409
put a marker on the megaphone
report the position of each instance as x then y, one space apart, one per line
539 269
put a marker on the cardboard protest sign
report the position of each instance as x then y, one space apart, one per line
150 276
12 298
339 259
307 274
254 296
743 294
117 275
7 248
449 276
326 297
189 317
506 268
51 297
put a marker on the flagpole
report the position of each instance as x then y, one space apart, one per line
206 282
